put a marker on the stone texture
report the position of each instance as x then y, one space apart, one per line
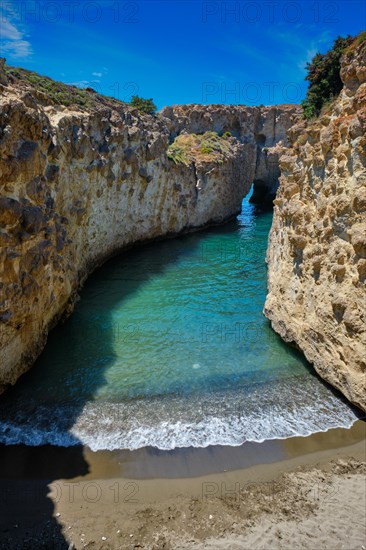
3 77
263 128
78 185
317 247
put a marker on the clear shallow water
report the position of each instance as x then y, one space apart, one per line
168 347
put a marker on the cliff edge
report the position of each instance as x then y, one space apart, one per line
83 176
317 247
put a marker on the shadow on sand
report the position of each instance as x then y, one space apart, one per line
27 517
52 395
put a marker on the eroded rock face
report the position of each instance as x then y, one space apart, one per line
265 128
3 77
78 186
317 248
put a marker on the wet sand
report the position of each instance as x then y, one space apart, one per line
188 498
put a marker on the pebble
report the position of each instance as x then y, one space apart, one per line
104 538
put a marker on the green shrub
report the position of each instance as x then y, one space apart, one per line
324 77
226 134
143 105
178 154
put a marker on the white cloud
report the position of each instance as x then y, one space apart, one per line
9 31
300 48
308 57
12 37
17 49
80 83
316 45
97 74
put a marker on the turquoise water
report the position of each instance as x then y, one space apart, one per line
168 347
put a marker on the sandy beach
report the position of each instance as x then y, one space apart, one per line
276 494
182 275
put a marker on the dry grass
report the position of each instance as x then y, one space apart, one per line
361 38
207 147
58 93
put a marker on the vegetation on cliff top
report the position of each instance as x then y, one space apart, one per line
360 39
144 105
324 75
207 147
58 93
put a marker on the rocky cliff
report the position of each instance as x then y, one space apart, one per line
264 129
83 179
317 247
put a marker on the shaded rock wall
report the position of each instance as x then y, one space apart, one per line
77 186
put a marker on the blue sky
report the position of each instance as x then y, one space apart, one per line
182 51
